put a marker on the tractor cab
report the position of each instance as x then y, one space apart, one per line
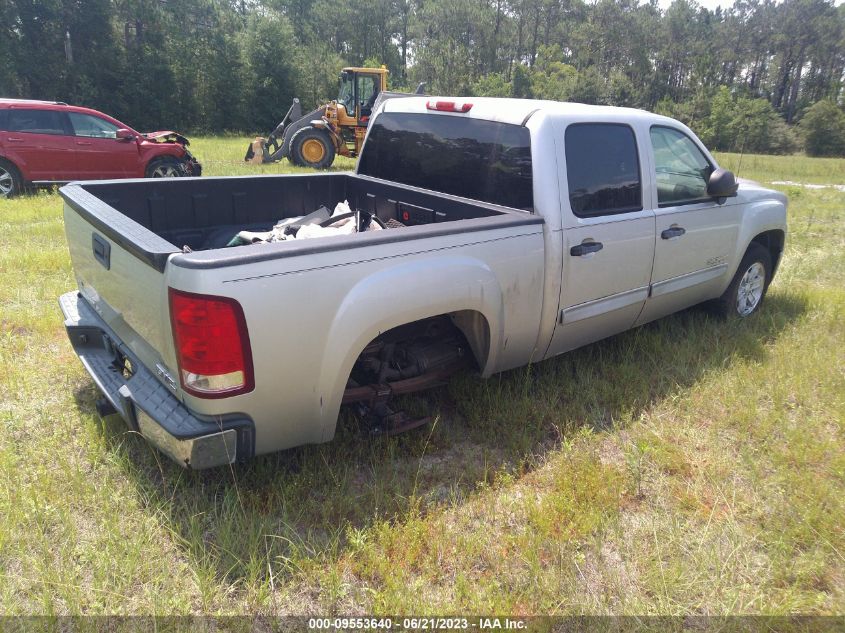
359 89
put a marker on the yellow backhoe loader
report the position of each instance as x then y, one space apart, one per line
337 127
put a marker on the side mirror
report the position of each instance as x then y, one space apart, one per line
124 135
722 184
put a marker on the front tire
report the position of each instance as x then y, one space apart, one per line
11 182
311 147
745 294
166 167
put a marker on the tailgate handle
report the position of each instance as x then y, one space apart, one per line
102 250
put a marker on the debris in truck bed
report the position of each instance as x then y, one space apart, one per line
320 223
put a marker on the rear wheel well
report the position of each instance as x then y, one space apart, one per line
476 330
431 347
773 242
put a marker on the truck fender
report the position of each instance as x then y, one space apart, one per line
399 295
758 217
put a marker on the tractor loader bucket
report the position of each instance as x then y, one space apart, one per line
274 148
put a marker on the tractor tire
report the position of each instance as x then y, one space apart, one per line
311 147
11 182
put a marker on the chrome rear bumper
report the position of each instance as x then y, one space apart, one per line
146 404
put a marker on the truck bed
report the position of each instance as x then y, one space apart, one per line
316 301
153 219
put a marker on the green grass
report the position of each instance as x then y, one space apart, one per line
224 156
823 171
690 466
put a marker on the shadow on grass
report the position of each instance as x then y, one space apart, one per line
303 505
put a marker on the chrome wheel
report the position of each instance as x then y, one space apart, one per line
7 182
749 293
166 171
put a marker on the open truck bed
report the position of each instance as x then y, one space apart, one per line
204 214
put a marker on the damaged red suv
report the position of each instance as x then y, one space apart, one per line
44 142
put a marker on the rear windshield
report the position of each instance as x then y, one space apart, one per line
482 160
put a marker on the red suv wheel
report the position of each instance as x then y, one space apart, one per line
165 168
10 179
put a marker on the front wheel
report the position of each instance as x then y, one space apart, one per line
11 182
748 288
311 147
165 168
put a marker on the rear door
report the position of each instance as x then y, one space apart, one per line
99 152
608 233
695 235
42 142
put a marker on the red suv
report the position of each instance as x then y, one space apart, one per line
45 142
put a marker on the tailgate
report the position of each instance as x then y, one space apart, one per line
119 268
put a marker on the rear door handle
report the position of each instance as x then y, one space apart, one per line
83 143
14 139
672 233
585 248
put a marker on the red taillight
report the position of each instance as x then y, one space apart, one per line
448 106
212 345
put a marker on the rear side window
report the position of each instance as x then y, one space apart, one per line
3 114
603 169
472 158
35 121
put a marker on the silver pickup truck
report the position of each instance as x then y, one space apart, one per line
514 230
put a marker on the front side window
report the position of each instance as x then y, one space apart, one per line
346 95
603 169
35 121
472 158
92 126
682 170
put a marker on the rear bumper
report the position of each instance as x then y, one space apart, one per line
146 404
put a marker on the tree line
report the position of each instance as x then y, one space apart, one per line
757 75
